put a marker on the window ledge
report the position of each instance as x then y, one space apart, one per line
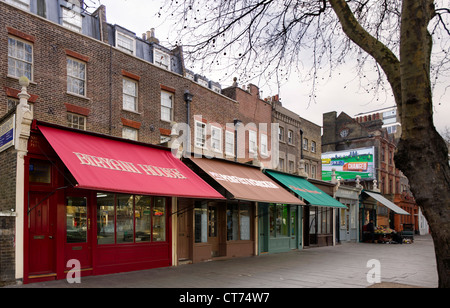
78 96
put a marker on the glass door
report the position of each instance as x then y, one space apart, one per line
78 231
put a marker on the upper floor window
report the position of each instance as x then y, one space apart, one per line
305 144
313 146
264 145
20 58
290 137
216 139
200 134
166 106
252 142
280 133
72 19
130 95
161 59
130 133
23 4
229 143
76 121
125 43
76 77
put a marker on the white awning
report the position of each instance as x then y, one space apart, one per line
387 203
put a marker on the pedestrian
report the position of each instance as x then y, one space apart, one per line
371 230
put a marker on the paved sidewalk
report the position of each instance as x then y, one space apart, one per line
342 266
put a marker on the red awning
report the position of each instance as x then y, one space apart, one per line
111 165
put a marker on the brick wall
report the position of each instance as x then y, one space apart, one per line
106 68
7 224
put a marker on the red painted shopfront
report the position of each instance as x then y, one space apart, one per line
100 202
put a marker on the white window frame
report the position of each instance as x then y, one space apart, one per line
122 37
229 143
290 136
264 144
305 144
72 20
200 128
161 58
313 146
281 133
216 139
130 96
73 121
21 4
19 58
252 142
78 77
165 98
130 133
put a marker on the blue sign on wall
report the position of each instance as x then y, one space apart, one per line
7 133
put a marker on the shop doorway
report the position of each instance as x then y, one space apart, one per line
78 236
42 228
184 218
263 228
213 230
293 228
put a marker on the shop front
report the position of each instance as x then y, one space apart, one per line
100 205
348 218
230 228
318 214
375 207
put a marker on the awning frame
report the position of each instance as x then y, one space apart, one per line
304 190
389 204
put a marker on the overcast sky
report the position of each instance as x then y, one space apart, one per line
341 93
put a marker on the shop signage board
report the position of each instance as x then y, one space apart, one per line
7 133
349 164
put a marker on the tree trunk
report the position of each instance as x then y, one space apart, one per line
422 154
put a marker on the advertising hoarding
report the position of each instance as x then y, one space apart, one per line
349 164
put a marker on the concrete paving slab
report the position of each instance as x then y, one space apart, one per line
342 266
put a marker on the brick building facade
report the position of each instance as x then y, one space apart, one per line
92 76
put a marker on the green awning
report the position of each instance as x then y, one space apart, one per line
305 189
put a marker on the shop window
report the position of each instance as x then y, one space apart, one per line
40 172
76 220
238 222
105 219
159 220
143 218
279 220
201 223
123 219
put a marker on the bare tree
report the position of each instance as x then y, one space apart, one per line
408 41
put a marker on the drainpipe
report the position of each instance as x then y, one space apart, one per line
188 99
